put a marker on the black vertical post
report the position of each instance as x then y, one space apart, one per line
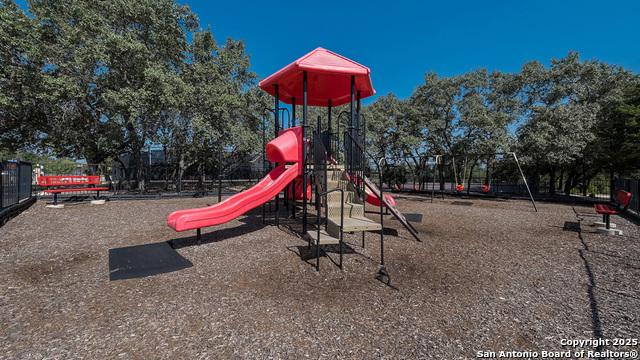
358 129
304 152
293 112
329 130
433 184
1 184
352 121
291 191
381 216
276 130
264 170
220 175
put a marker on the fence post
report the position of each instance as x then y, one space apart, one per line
1 183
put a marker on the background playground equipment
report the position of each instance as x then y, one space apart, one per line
302 159
491 174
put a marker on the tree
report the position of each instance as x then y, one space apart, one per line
222 108
564 106
21 93
620 136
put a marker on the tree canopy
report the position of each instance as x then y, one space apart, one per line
96 80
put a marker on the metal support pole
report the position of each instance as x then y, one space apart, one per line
329 130
293 198
292 187
352 121
433 184
220 175
264 170
293 112
198 237
304 152
276 130
358 128
525 181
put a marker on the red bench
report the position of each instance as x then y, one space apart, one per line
622 202
70 180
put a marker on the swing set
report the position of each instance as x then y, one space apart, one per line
460 186
485 188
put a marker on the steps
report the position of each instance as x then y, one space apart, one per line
354 219
352 224
325 237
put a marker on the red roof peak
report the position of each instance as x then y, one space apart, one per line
328 78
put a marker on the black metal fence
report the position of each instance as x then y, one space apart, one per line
15 182
162 177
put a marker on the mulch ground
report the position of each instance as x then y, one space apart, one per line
489 276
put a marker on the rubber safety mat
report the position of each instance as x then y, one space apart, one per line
144 260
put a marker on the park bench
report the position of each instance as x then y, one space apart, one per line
622 202
54 182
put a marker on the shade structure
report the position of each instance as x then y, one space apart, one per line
328 78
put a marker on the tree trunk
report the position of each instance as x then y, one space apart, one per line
552 182
180 172
470 177
137 159
166 167
489 173
561 181
441 176
571 182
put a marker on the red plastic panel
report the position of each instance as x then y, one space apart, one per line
328 78
68 180
623 197
284 148
604 209
298 190
373 200
58 191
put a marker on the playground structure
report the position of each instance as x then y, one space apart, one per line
320 78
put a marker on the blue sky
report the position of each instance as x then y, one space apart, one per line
401 40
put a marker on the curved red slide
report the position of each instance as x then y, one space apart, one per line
283 149
235 205
373 199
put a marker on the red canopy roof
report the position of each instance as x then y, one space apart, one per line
328 78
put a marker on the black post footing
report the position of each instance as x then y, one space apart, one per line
382 274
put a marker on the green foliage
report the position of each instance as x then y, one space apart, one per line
98 79
59 167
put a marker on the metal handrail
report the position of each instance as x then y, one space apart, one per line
341 225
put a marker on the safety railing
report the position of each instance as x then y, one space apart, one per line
354 163
319 225
319 163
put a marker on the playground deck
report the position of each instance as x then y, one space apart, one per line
490 275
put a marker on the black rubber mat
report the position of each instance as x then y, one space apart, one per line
414 218
571 226
144 260
463 203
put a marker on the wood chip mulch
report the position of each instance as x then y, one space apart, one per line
491 276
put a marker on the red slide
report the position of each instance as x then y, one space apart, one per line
283 149
235 205
373 199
